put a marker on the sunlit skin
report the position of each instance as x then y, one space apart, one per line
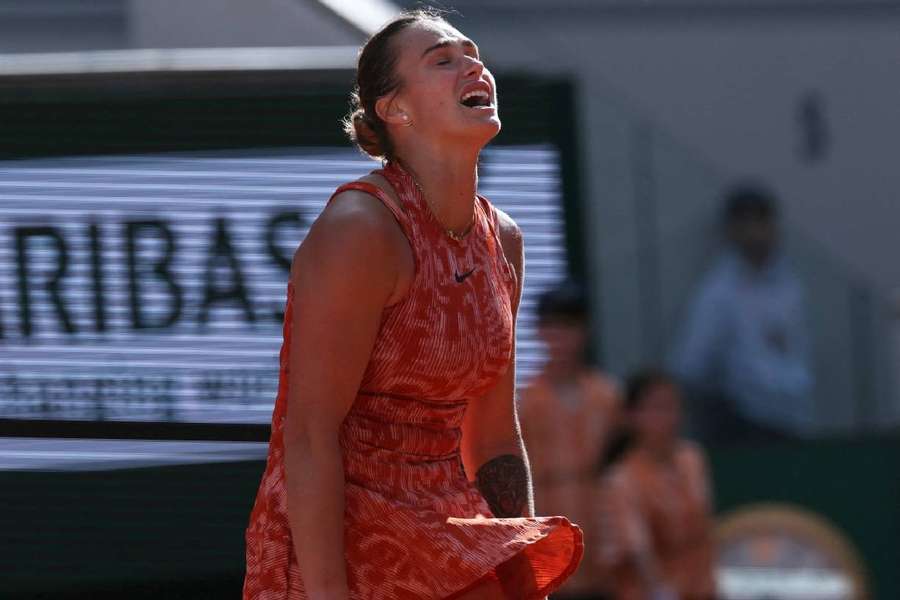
339 299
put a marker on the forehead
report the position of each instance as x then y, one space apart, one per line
420 36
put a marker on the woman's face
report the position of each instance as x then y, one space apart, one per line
657 418
446 91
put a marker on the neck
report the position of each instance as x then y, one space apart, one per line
448 177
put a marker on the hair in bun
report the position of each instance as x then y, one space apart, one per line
368 134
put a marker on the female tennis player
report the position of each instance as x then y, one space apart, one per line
396 469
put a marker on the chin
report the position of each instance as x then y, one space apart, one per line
485 131
470 132
494 130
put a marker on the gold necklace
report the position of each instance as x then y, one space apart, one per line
450 233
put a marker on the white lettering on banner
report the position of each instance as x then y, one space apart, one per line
152 287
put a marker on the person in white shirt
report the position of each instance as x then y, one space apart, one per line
743 354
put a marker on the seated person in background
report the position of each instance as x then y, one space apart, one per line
743 354
566 413
654 501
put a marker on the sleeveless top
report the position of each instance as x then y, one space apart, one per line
415 526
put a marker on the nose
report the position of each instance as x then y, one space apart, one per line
475 68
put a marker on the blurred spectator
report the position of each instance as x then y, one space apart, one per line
654 501
743 354
566 413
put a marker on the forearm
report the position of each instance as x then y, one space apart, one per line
315 499
504 479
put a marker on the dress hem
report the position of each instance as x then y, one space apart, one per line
552 585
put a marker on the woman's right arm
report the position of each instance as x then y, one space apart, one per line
344 273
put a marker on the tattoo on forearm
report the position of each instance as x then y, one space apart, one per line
503 481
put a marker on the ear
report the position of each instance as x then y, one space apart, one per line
390 111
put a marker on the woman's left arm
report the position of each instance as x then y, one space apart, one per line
492 446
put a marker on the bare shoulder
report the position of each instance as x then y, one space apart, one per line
356 211
354 229
510 235
512 242
382 183
513 248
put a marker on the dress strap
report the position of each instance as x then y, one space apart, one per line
374 190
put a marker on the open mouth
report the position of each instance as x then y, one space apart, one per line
475 98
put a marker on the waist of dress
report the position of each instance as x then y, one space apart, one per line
402 443
409 429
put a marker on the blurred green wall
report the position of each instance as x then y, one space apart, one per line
855 484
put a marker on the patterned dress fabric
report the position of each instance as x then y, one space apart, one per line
415 526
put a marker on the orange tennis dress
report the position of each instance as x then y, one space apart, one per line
414 525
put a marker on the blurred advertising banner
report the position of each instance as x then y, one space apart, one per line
152 287
782 552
